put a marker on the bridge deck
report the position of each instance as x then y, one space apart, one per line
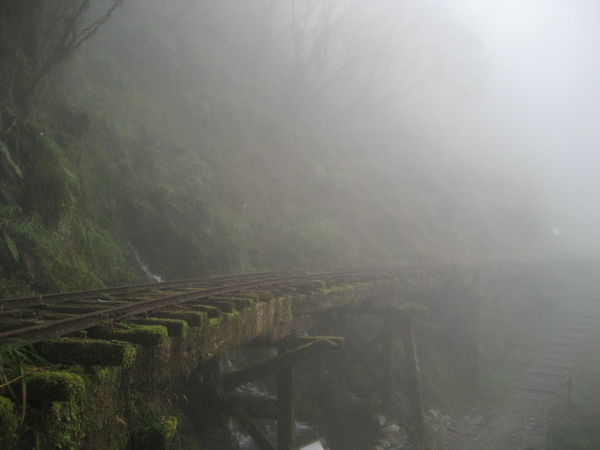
27 320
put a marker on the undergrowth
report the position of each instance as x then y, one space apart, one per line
177 153
573 421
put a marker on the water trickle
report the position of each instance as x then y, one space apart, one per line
144 267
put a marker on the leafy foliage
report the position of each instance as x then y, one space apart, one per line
37 36
178 135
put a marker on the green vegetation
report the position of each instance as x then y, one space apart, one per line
158 140
88 352
573 422
193 138
57 400
9 422
151 335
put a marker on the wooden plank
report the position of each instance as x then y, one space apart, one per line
235 379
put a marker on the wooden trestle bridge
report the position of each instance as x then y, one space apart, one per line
160 332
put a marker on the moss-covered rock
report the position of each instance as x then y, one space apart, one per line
193 318
47 386
168 428
176 327
9 422
212 311
154 431
151 335
88 352
55 416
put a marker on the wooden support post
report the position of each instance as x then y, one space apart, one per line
259 437
286 420
322 329
340 328
388 333
414 379
341 324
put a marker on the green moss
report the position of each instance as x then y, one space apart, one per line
9 422
193 318
175 327
319 284
88 352
136 334
340 290
142 334
153 429
212 311
252 295
45 386
263 295
57 401
242 302
168 428
64 427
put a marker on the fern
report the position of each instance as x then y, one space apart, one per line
12 247
8 158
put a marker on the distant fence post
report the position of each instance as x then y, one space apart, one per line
415 395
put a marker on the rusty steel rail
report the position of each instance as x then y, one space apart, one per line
56 298
54 328
224 285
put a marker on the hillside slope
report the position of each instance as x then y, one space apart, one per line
191 138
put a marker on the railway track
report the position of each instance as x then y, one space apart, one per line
28 320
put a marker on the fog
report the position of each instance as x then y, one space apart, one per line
511 86
540 107
434 130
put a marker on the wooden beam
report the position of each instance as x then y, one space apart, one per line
292 341
232 380
259 437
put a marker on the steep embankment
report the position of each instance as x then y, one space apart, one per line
176 137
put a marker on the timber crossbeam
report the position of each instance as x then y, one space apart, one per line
232 380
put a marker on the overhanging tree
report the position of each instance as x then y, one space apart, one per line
36 36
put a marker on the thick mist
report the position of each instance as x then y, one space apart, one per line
236 136
539 111
497 97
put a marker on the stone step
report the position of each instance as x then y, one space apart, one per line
553 366
538 388
545 374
